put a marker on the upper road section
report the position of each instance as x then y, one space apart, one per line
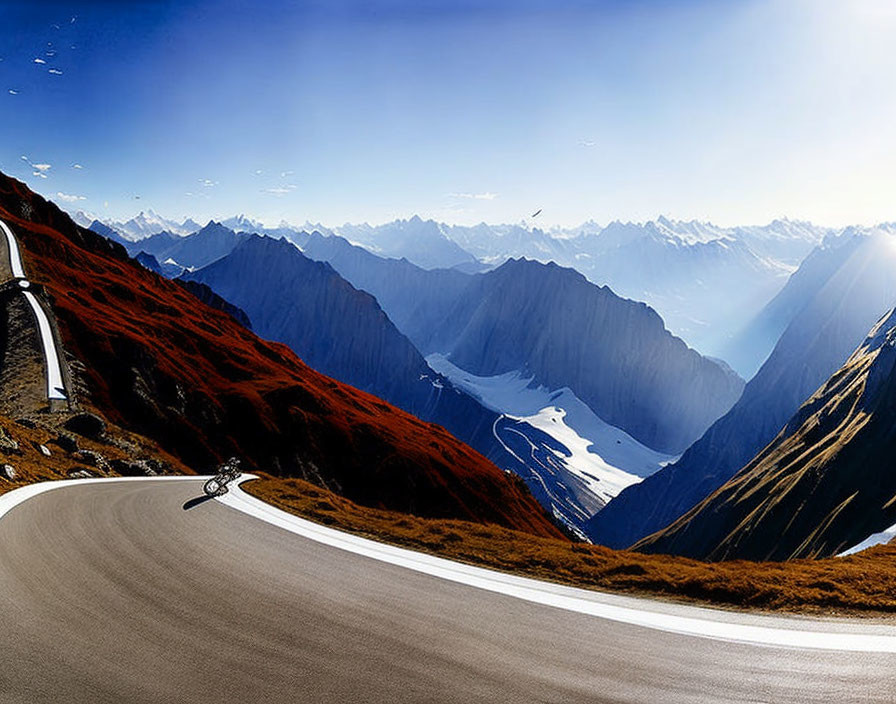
11 269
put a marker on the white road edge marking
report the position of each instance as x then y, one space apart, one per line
531 590
15 259
568 598
55 383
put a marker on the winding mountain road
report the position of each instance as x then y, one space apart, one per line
140 591
11 268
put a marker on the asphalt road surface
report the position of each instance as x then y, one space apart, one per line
116 592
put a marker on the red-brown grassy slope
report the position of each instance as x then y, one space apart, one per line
162 363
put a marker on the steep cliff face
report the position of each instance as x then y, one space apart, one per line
614 354
414 298
160 362
337 329
816 342
825 483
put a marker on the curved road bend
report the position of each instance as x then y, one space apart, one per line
114 592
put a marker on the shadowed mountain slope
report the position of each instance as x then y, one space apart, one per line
824 484
751 346
548 322
614 354
814 345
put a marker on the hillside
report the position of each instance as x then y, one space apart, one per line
550 323
824 484
159 362
841 309
581 336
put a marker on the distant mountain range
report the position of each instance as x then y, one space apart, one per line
147 223
200 248
707 282
422 242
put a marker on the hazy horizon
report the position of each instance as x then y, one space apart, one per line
528 223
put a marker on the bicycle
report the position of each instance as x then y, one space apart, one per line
226 473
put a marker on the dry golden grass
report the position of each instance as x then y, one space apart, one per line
862 584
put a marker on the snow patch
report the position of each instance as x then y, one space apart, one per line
602 456
882 538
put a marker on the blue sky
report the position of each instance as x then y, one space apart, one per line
732 111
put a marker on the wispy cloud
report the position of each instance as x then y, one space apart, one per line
208 183
39 61
587 143
284 174
55 71
68 198
280 190
77 166
475 196
40 170
13 91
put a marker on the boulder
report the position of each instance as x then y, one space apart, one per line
66 443
88 425
134 468
7 444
